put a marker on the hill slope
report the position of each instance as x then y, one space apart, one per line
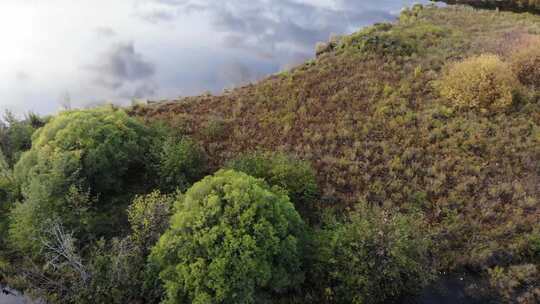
511 5
366 115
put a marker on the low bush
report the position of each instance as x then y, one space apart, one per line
295 176
215 129
525 63
373 257
16 134
182 163
517 284
148 216
379 40
484 83
8 190
232 240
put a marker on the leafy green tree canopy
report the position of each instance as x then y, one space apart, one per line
77 160
104 144
16 134
295 176
182 163
231 240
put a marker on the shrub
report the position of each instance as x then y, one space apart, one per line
484 83
295 176
8 191
373 257
323 47
182 163
25 223
16 135
533 246
215 129
149 217
107 144
517 283
526 64
232 240
77 156
379 40
29 219
116 270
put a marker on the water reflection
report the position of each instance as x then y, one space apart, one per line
458 288
10 296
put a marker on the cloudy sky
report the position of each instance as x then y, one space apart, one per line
91 51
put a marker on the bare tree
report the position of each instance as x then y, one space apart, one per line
61 252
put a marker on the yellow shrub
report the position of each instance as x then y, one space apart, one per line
526 64
483 82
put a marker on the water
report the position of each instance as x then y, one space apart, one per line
10 296
452 289
447 290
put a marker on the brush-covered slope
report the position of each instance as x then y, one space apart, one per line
511 5
369 115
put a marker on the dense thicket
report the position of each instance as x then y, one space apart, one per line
67 234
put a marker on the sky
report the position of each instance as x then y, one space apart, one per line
79 53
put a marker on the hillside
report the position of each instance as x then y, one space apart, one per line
367 116
403 158
511 5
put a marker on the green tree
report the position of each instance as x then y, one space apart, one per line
295 176
373 257
109 146
231 240
182 163
7 193
16 135
100 152
149 216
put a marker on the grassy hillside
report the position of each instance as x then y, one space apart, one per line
511 5
368 116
